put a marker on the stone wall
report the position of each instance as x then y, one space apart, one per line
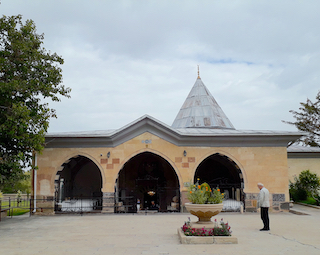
297 165
277 201
257 164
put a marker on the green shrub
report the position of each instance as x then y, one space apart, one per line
203 194
297 193
317 198
304 186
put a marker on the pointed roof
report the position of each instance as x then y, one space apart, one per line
201 110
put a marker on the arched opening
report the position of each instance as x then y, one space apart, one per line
220 171
78 186
147 178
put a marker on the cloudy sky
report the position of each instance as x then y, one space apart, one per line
125 59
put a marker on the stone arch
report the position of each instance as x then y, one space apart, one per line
78 185
221 152
154 152
219 170
148 177
67 158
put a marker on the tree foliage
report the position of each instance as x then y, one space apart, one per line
24 185
28 74
306 185
308 120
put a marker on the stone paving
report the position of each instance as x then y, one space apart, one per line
157 234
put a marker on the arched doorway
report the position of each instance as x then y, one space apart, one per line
147 177
78 186
220 171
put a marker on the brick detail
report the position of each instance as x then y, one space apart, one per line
115 161
185 165
104 161
191 159
109 166
178 159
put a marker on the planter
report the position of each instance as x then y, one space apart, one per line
204 212
206 239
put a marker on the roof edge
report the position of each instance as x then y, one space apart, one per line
146 123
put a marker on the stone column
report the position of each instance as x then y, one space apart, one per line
108 202
251 202
184 199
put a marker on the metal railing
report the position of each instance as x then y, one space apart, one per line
78 205
82 205
10 206
231 205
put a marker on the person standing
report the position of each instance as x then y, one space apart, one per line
138 205
264 204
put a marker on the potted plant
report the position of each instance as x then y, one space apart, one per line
205 202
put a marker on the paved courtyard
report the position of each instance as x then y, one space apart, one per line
157 234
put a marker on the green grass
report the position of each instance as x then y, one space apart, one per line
309 201
17 210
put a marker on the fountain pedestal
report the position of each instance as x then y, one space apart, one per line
204 212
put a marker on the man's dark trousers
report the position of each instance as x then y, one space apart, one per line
265 217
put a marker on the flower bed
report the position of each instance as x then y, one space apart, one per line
223 230
206 239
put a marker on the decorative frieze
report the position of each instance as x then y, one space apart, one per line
278 197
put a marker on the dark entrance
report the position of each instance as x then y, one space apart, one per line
220 171
78 186
151 179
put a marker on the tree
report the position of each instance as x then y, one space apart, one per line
24 185
306 185
28 74
308 120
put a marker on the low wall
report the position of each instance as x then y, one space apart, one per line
4 213
277 202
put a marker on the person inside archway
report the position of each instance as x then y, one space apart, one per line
264 204
138 205
154 206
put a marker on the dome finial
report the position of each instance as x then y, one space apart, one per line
198 73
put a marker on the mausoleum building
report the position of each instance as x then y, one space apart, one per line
148 160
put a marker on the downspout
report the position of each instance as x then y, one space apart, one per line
35 183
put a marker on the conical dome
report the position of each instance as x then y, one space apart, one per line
200 110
